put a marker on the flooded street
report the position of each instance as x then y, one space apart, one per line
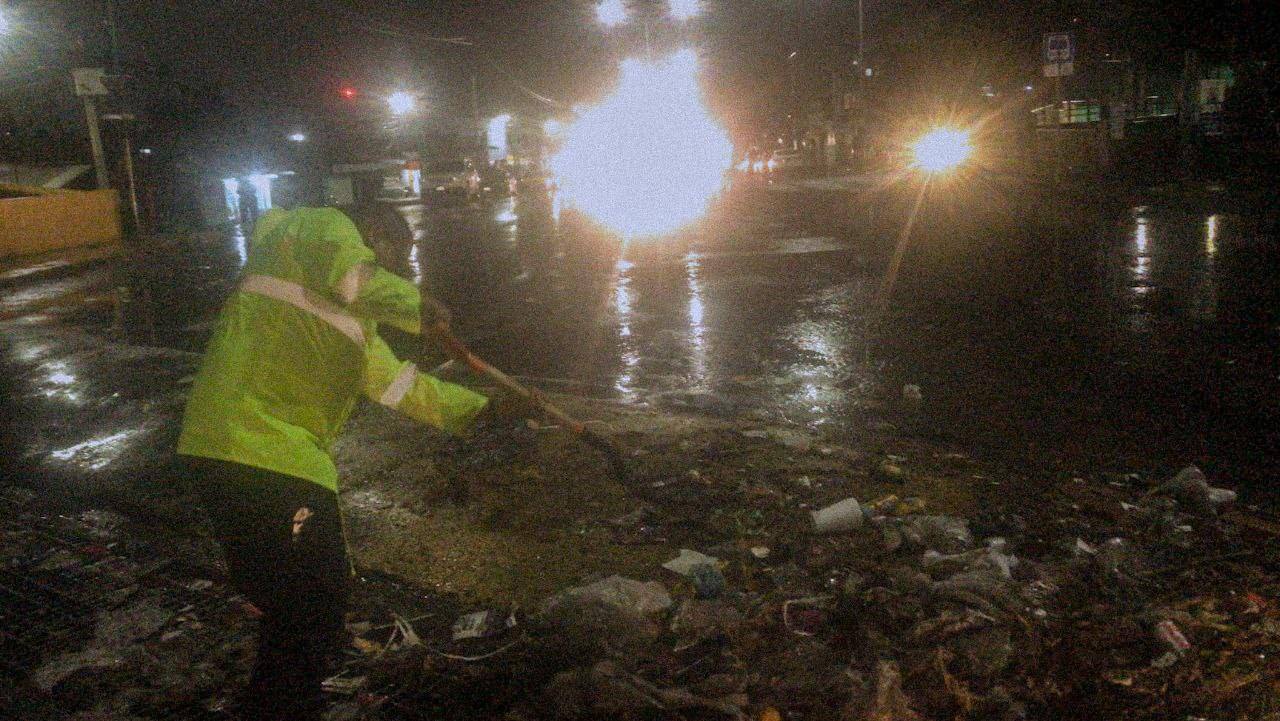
1130 334
1124 334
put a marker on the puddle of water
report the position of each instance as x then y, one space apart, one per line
95 454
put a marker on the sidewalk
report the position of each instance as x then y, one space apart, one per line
60 281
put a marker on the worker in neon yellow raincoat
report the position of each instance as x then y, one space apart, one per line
294 347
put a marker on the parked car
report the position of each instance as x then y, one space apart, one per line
450 177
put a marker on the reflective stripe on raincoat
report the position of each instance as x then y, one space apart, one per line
298 342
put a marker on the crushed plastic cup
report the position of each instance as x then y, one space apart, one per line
838 517
688 561
1221 496
1171 636
481 624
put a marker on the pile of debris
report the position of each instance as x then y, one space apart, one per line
880 612
762 590
96 622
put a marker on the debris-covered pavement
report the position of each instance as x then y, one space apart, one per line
1107 597
743 571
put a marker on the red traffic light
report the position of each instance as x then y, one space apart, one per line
348 93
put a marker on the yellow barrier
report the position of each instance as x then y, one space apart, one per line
41 220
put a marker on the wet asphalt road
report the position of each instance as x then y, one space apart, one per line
1103 331
1124 333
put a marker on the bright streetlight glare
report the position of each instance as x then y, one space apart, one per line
649 159
611 13
401 103
298 137
685 9
497 136
942 149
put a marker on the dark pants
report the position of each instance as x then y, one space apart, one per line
283 542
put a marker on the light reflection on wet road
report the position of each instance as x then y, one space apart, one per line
766 316
762 313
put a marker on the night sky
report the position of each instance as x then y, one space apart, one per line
243 63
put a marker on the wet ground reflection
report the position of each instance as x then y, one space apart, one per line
764 312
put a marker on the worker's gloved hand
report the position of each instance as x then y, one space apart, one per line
506 408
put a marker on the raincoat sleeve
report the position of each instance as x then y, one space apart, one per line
398 385
377 295
369 292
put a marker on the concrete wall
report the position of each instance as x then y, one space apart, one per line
35 221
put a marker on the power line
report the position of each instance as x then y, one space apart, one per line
362 22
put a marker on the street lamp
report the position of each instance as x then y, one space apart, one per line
683 10
611 13
401 103
942 149
297 137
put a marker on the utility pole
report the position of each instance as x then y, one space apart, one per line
475 103
95 142
124 122
861 35
794 115
89 86
114 34
481 158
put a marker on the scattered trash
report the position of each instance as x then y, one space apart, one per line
992 558
1170 635
912 397
701 620
708 581
1001 606
1221 496
687 561
633 519
1191 489
61 667
945 534
839 517
891 702
403 635
1119 559
482 624
1164 660
344 685
805 616
890 472
624 594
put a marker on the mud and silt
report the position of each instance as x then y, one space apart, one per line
554 515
